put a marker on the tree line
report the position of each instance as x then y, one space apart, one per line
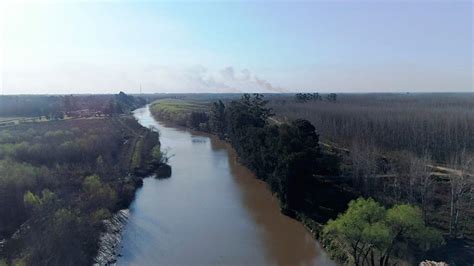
314 97
59 106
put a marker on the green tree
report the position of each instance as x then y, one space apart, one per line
157 154
407 226
367 232
37 203
354 231
99 195
31 200
99 215
217 118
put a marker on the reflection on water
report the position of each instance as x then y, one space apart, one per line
212 211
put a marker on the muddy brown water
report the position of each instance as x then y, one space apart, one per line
212 211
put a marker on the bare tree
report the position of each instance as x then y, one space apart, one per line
400 177
421 181
439 124
462 188
364 165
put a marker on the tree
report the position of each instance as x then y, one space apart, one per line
355 232
420 181
364 166
407 226
69 103
367 232
317 97
217 118
298 154
461 180
98 194
38 203
331 97
305 97
31 200
197 119
158 155
301 97
63 239
15 179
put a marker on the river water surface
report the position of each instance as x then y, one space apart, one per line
212 211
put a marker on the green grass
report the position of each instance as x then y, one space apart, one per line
177 111
179 106
137 154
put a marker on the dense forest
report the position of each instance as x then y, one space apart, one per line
315 181
441 125
60 179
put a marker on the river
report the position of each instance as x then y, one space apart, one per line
212 211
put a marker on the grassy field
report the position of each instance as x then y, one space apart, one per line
180 106
178 111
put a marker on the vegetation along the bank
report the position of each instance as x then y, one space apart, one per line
60 178
315 181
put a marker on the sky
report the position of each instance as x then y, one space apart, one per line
50 47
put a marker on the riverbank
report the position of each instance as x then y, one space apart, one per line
67 195
143 163
188 114
110 239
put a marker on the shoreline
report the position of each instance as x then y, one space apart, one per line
311 225
110 239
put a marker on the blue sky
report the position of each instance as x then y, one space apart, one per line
333 46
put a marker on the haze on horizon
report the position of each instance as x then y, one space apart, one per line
341 46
